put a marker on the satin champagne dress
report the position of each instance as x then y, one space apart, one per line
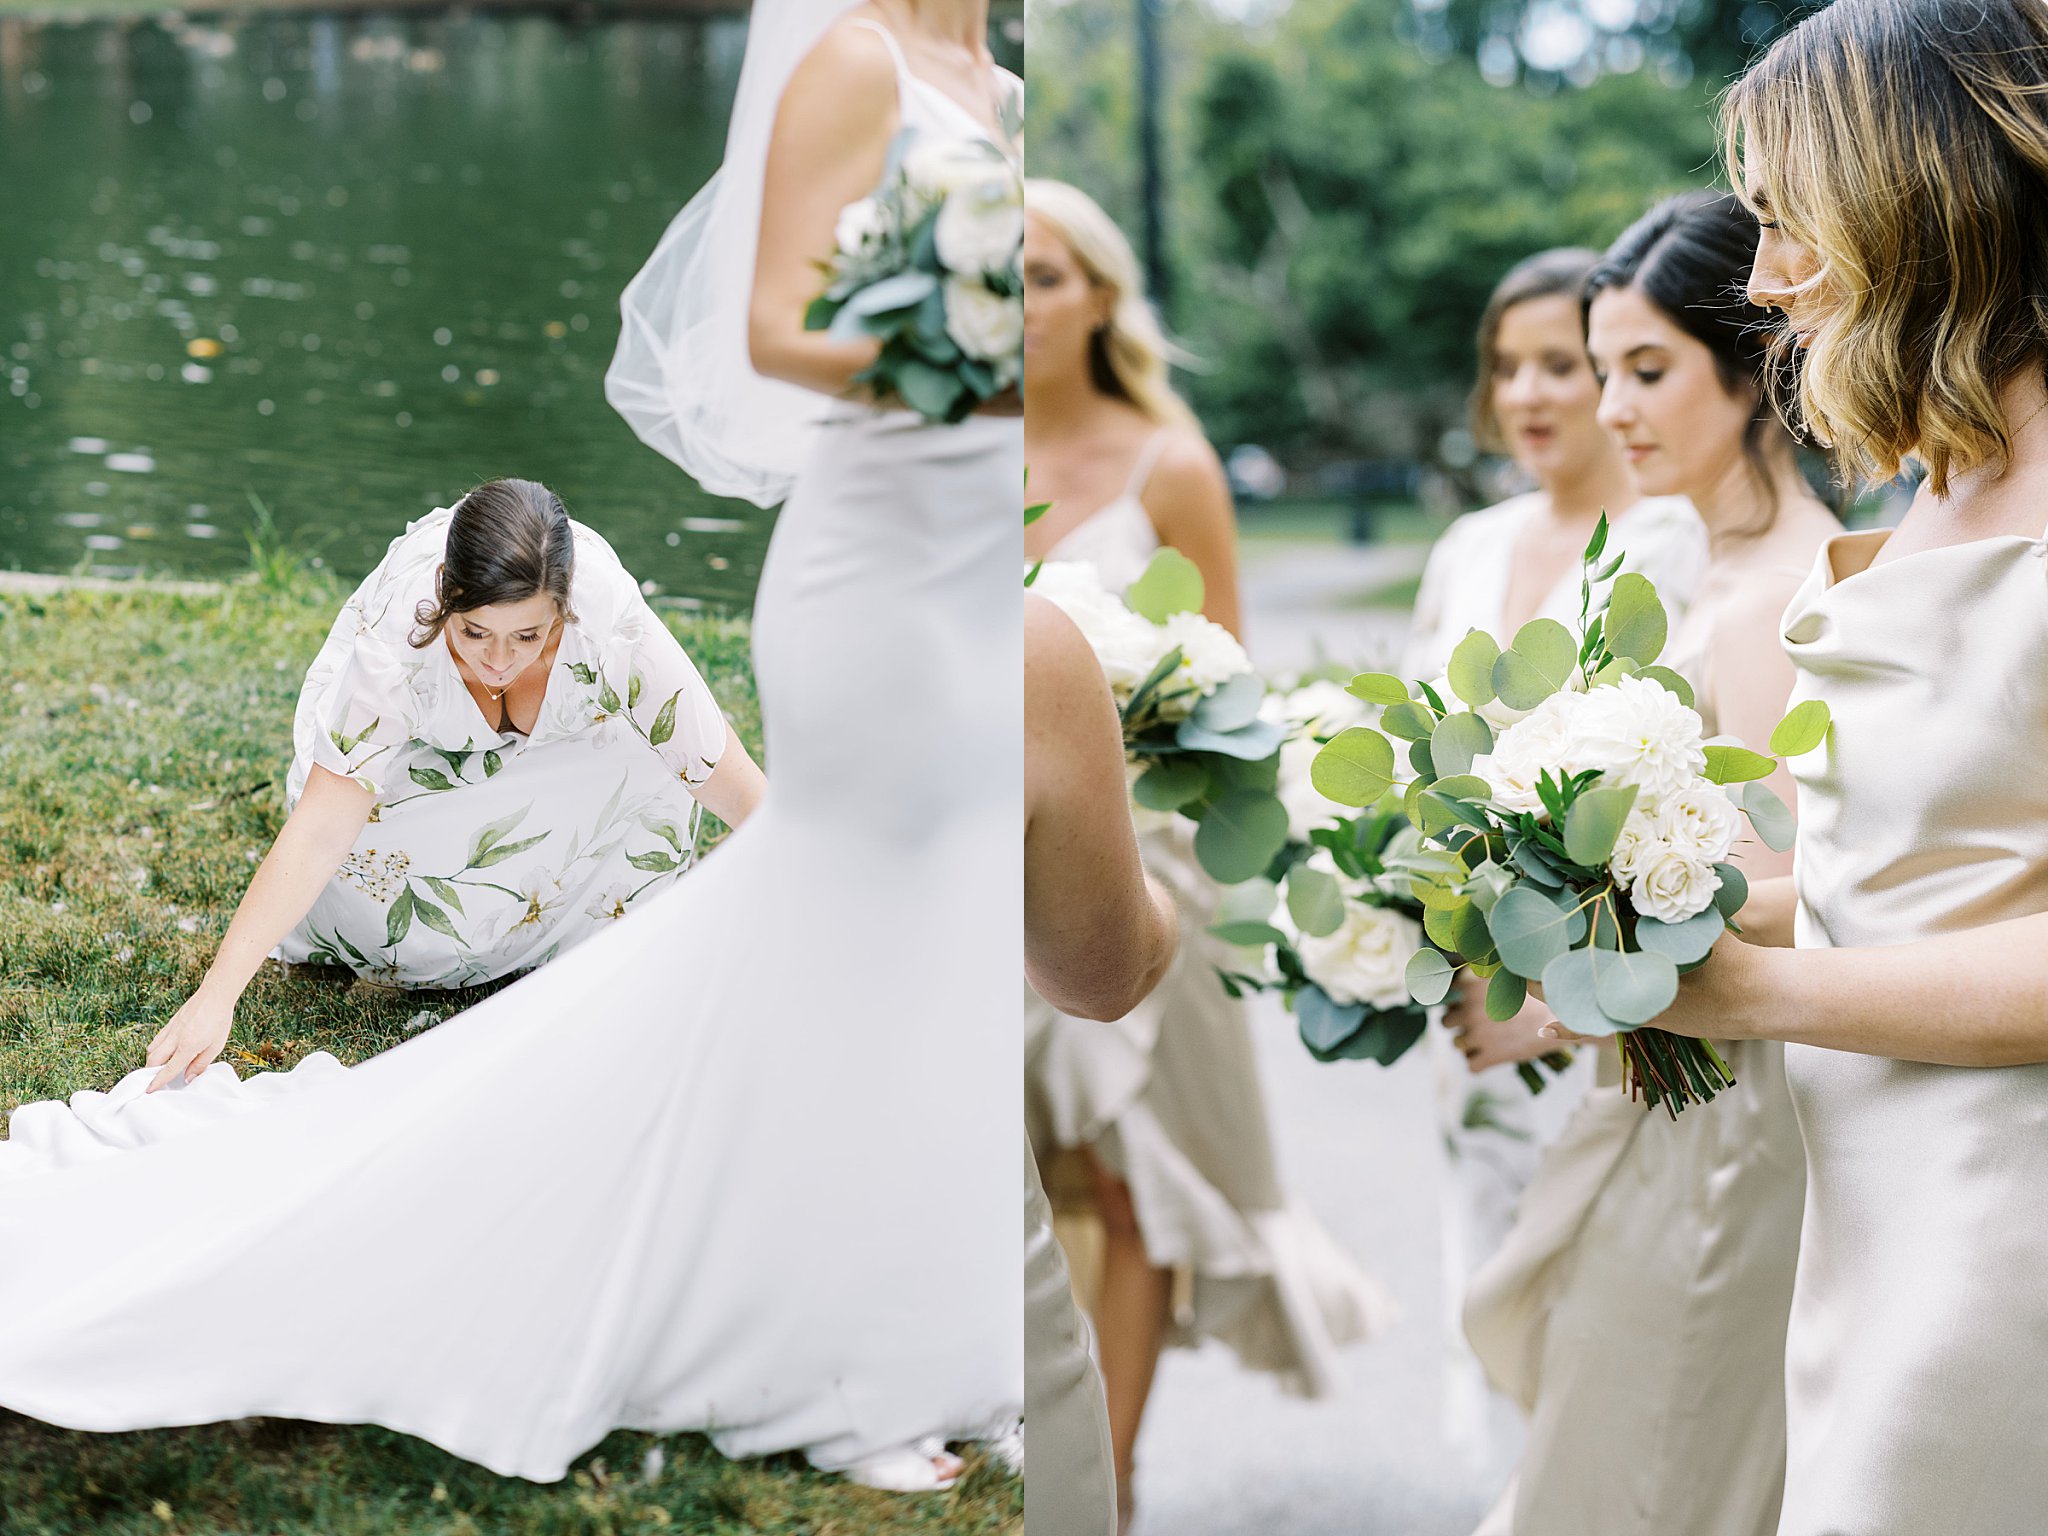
1637 1308
1920 1316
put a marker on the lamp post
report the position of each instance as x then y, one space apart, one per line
1149 178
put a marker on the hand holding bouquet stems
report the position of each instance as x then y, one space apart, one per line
1192 708
1574 827
929 265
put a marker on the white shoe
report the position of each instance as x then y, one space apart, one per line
1007 1447
921 1467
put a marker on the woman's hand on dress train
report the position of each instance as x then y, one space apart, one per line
1490 1042
194 1038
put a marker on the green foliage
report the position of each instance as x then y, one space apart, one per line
1170 584
1804 727
1355 767
1636 626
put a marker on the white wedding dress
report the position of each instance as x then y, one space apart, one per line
744 1162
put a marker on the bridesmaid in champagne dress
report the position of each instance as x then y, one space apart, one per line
743 1162
1637 1308
1166 1100
1495 570
1894 152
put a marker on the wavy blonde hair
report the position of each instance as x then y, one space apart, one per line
1129 357
1905 144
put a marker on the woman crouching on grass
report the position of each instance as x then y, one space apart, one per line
498 750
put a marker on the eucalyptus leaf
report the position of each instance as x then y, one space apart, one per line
1471 669
1440 924
1530 928
1420 760
1682 942
1315 901
1240 835
1248 934
1804 727
1355 767
1380 688
1409 720
1672 681
1233 705
1463 786
1541 660
1170 783
1737 765
1456 740
1505 994
1570 992
1470 934
1595 821
1325 1024
904 290
1768 815
1633 988
1429 977
1636 623
1734 890
1171 584
1253 742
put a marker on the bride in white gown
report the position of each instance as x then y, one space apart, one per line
746 1161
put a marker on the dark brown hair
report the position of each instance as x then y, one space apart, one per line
1690 256
507 541
1547 274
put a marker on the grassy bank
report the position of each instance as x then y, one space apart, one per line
144 736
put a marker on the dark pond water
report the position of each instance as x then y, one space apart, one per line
343 268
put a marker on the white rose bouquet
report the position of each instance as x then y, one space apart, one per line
1191 707
929 264
1585 843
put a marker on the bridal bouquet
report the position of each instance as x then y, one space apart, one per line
1191 706
929 264
1575 827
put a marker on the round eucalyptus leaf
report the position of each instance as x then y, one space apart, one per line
1429 976
1234 704
1463 786
1411 802
1171 584
1734 890
1521 680
1636 624
1804 727
1325 1025
1248 935
1736 765
1569 992
1471 670
1595 821
1441 924
1505 994
1682 942
1456 740
1354 768
1170 783
1616 669
1240 835
1469 932
1530 929
1409 720
1768 815
1672 681
1420 760
1315 901
1633 988
1381 688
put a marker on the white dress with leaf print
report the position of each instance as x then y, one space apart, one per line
488 852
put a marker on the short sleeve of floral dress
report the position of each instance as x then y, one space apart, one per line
488 852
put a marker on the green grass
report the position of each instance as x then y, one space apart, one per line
1292 522
144 738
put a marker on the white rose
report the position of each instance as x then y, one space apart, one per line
1637 732
1636 844
986 324
1366 959
1700 821
859 224
937 167
981 224
1209 652
1541 742
1671 886
1127 646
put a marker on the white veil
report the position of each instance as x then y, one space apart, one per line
682 377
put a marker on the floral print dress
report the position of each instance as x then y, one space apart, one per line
488 852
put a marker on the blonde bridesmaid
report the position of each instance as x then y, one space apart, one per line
1496 569
1164 1103
1638 1307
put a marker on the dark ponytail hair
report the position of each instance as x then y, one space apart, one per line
1690 256
507 541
